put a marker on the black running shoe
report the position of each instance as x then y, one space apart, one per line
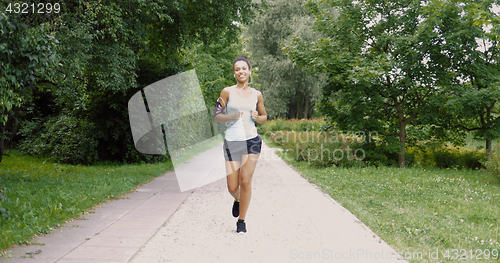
241 227
236 209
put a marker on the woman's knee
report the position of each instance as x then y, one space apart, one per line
246 182
232 189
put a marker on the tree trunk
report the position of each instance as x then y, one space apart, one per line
488 149
402 133
13 133
297 110
488 141
306 107
402 140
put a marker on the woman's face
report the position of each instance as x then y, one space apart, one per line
241 71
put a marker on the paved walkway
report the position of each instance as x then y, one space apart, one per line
289 220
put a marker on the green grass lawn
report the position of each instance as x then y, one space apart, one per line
419 210
44 194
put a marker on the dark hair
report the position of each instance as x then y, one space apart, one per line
242 58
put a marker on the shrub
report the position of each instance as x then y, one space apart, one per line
445 158
379 154
448 157
72 140
471 159
65 139
322 149
302 125
307 139
421 157
275 125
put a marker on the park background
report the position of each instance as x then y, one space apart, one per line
422 75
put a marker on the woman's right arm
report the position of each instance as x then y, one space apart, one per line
221 117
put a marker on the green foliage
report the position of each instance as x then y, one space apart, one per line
464 38
65 139
72 140
280 124
45 194
378 76
447 157
380 154
322 149
103 53
375 152
421 63
213 63
25 53
289 91
314 142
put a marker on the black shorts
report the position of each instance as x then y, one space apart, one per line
233 150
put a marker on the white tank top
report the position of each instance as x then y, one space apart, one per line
243 128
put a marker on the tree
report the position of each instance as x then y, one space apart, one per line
26 53
465 39
289 91
213 63
379 78
109 50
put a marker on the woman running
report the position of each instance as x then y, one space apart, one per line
242 145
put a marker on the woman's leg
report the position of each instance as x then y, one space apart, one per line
233 172
245 182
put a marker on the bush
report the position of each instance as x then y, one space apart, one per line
471 159
379 154
71 140
309 139
445 159
421 157
448 157
302 125
321 149
63 138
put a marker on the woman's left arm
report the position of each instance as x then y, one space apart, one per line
260 116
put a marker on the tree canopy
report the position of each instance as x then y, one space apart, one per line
26 54
290 91
464 39
94 56
384 69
